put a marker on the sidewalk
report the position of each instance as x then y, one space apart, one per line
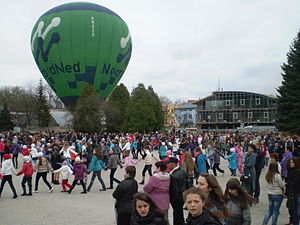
94 208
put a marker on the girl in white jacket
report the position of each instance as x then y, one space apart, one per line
65 173
7 170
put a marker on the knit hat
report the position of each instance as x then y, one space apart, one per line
65 163
40 154
163 143
6 156
77 159
32 145
24 146
26 158
232 150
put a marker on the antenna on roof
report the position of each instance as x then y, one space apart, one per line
219 89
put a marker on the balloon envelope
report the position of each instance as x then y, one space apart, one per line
78 43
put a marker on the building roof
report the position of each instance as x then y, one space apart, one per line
187 106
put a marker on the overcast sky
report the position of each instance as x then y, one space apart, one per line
180 48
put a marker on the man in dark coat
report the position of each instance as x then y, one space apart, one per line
177 187
124 196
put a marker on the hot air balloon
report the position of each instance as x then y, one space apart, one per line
78 43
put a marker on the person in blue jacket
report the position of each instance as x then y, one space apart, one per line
233 165
96 166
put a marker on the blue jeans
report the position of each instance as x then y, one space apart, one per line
274 206
297 210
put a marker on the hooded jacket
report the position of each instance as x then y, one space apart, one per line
79 170
158 189
27 169
7 167
64 171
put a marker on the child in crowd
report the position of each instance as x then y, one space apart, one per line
65 172
27 170
7 170
233 165
78 171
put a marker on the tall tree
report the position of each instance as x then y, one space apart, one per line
6 123
117 103
157 107
89 114
142 113
288 104
42 107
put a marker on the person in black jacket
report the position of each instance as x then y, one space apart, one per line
146 212
124 196
195 200
177 186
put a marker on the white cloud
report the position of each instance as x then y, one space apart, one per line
179 47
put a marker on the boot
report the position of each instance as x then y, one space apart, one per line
24 191
30 191
143 181
110 187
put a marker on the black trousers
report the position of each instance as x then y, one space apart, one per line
149 168
74 184
112 177
15 161
257 184
7 178
178 218
37 178
216 167
27 180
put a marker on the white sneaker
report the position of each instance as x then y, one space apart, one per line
36 191
51 190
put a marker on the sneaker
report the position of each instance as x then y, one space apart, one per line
142 182
15 196
63 191
29 194
84 192
36 191
51 190
104 189
110 188
24 194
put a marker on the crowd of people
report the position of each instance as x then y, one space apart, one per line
184 177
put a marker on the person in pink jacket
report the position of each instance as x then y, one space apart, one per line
158 188
240 158
128 161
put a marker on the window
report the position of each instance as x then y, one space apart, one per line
235 115
220 116
242 101
227 102
257 101
214 103
208 117
266 115
190 117
250 115
185 117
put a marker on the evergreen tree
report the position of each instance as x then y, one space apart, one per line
6 123
157 107
89 114
42 106
117 103
142 113
288 105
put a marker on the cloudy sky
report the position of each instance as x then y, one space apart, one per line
180 48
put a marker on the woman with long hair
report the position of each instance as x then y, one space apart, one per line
96 166
238 203
146 211
292 188
189 166
215 200
275 186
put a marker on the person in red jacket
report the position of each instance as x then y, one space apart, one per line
27 169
